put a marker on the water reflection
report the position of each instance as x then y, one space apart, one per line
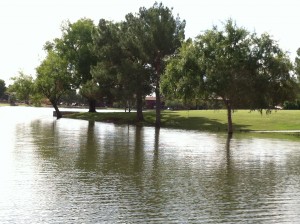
71 171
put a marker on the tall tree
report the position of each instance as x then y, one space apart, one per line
120 67
183 77
22 87
297 71
297 64
53 79
242 69
75 47
162 35
2 88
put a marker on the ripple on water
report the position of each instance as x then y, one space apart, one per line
71 171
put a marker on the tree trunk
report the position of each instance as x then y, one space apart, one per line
139 107
229 117
157 90
92 106
58 113
129 105
158 106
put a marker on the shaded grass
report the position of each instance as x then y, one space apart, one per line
113 117
205 120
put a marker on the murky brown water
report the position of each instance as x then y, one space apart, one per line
72 171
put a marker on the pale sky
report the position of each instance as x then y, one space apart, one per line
27 24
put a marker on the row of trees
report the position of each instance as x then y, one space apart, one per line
116 60
147 52
241 69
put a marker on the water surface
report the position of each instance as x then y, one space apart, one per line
73 171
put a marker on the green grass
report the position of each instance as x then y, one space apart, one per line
4 104
114 117
206 120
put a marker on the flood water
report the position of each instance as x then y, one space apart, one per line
73 171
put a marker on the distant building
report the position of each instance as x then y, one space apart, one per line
150 102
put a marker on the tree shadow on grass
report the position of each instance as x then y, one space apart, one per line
173 120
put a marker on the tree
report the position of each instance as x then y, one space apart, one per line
76 47
91 90
2 88
22 87
183 78
162 35
53 79
297 71
120 68
297 64
135 51
241 69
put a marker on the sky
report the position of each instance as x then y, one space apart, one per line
27 24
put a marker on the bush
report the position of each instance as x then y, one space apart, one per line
287 105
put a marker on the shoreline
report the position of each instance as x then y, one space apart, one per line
204 120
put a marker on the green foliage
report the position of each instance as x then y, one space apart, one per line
297 64
241 69
238 67
162 35
36 99
22 87
53 77
90 90
294 105
72 96
75 47
183 77
121 69
2 88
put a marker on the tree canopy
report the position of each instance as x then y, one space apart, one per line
75 46
241 69
122 69
22 87
147 53
162 35
2 88
53 78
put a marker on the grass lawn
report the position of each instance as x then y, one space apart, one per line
207 120
4 104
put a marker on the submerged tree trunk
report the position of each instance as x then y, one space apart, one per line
229 117
157 91
92 106
139 107
57 111
158 106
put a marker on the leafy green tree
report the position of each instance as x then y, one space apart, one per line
297 71
162 35
2 88
22 87
53 79
91 90
183 77
108 51
135 51
239 68
297 64
120 67
75 47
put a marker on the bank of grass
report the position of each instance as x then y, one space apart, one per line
206 120
4 104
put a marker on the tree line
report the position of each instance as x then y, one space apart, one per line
148 53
